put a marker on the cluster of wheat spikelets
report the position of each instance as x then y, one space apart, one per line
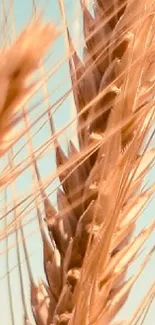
18 62
89 245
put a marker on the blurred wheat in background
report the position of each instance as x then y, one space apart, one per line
77 154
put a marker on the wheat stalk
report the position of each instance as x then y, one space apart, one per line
90 243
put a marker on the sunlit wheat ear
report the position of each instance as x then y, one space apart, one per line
17 63
91 247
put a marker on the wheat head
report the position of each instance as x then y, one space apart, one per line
90 242
18 62
91 230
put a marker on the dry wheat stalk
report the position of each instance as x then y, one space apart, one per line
89 252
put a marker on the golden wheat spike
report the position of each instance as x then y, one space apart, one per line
108 89
18 62
91 243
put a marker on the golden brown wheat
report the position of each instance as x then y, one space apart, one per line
85 270
90 242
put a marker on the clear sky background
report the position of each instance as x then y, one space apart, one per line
20 12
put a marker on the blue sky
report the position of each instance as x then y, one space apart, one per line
57 86
22 13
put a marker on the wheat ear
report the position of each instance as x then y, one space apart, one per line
101 198
18 62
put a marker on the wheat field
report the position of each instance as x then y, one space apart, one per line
77 155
